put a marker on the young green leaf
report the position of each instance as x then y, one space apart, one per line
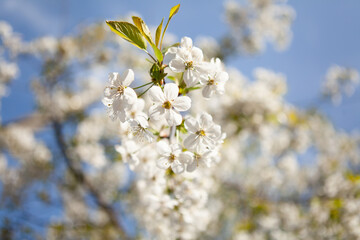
129 32
173 11
143 28
158 33
158 54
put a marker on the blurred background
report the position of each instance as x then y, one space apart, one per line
61 177
324 33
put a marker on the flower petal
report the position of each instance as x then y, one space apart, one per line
222 77
177 65
190 78
197 54
157 95
156 112
186 42
205 121
177 167
185 157
114 78
130 95
173 117
163 163
171 91
182 103
127 78
207 91
191 166
191 125
191 141
163 148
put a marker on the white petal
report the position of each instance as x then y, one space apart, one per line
191 125
177 167
163 163
157 95
107 101
175 149
171 91
186 157
197 54
205 121
163 148
173 117
114 78
182 103
186 42
192 166
203 68
190 78
156 111
140 104
172 50
177 65
222 77
127 78
130 95
214 132
207 91
191 141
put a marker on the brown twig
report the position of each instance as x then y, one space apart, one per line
81 178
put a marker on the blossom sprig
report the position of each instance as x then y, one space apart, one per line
160 111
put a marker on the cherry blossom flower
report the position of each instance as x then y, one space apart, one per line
168 104
139 127
204 133
188 60
118 96
214 81
203 158
172 156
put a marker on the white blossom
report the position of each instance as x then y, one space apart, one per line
118 96
168 104
214 81
189 60
172 156
204 133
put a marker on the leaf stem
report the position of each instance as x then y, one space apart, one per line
146 90
143 85
162 37
151 56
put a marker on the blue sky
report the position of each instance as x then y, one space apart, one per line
325 32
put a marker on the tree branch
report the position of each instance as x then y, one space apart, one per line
81 178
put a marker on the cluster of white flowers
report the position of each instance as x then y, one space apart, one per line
162 120
284 173
340 79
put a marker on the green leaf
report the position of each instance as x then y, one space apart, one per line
173 11
129 32
143 28
158 54
158 33
172 78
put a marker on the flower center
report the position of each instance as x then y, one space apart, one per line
172 157
166 105
201 133
189 65
211 82
120 89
